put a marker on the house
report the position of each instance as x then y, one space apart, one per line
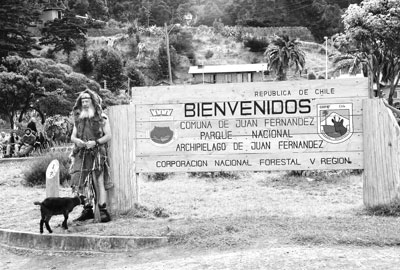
230 73
51 13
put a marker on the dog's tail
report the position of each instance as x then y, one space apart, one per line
37 203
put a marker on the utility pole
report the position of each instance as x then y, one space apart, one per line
326 57
168 54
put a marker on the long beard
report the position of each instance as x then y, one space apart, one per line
89 113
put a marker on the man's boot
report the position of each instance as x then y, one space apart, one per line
104 215
87 213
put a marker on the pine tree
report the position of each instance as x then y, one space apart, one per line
65 34
84 63
15 17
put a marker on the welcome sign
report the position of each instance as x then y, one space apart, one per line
296 125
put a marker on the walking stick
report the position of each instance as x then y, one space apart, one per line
94 188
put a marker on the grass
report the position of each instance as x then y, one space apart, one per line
393 209
250 209
204 212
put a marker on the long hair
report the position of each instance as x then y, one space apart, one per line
96 101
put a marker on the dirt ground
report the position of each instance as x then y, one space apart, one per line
214 221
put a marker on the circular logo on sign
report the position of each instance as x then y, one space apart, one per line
161 135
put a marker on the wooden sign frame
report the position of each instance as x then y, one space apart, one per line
250 126
296 125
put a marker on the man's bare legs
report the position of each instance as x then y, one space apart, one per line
102 197
100 190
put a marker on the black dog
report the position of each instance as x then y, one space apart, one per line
58 206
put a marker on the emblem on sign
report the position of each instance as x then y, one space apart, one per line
162 126
335 122
161 135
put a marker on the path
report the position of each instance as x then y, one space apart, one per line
273 257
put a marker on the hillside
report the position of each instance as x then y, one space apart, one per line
225 49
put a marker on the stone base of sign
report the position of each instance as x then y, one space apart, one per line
74 242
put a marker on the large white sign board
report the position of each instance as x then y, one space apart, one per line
296 125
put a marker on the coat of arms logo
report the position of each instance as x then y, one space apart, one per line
161 127
335 122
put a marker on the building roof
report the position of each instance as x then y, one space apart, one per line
52 6
228 68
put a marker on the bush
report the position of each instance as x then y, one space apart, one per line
192 58
133 47
85 64
392 209
158 66
136 76
209 54
218 26
256 44
182 41
213 175
321 77
159 176
35 175
109 67
311 76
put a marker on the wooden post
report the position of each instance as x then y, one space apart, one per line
123 196
168 53
381 154
53 179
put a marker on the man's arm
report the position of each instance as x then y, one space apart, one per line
105 138
75 139
393 109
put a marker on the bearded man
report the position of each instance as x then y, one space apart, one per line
90 134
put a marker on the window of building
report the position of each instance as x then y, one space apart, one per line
228 77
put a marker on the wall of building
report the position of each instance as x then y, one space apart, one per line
236 77
49 15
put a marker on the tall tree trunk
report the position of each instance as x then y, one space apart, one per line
11 118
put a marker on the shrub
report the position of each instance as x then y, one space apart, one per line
158 67
392 209
209 54
109 67
136 76
218 26
311 76
255 60
133 45
159 176
227 174
256 44
50 54
321 77
192 57
35 174
85 64
182 41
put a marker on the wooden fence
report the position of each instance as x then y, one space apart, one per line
125 193
381 154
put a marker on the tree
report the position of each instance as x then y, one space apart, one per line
39 84
15 17
79 7
65 34
135 75
158 66
85 64
98 9
370 38
109 68
284 53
